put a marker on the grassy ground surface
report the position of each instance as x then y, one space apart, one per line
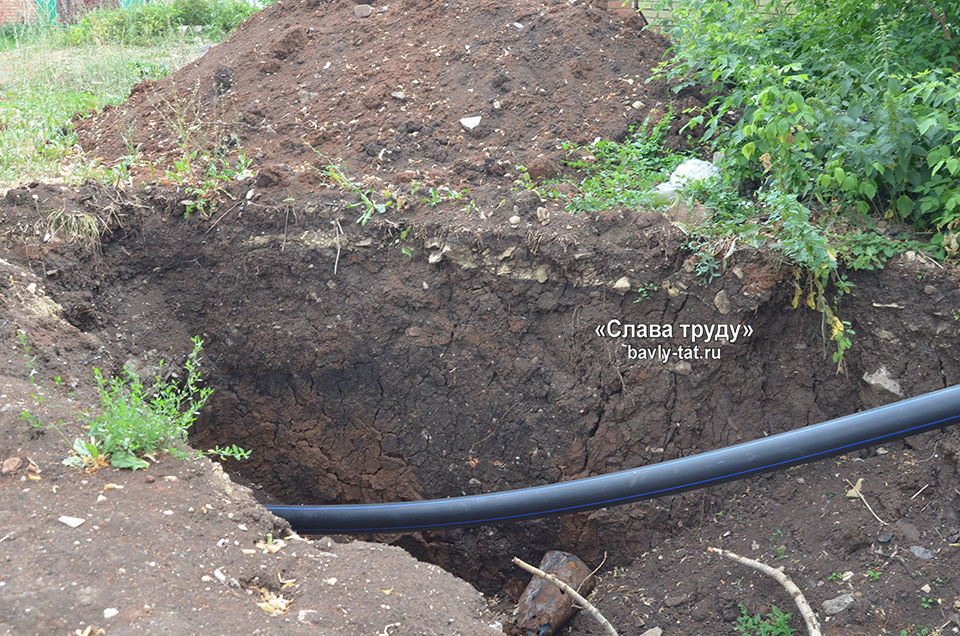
44 82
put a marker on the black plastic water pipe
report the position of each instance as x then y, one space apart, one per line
841 435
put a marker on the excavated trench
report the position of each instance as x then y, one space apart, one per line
356 373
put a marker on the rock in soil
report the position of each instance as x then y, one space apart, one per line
544 608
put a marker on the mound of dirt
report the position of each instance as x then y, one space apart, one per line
397 94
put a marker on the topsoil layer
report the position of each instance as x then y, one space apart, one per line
304 83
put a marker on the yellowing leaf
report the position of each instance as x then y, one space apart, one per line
836 327
388 591
797 292
272 603
854 492
273 547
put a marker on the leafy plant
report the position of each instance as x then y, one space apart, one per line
399 241
926 603
135 419
855 104
367 203
206 143
873 575
775 623
623 173
777 547
644 291
442 194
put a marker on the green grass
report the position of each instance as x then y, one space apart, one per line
43 83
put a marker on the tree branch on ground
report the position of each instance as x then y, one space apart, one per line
813 626
569 591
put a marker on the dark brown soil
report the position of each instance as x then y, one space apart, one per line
384 95
443 349
398 378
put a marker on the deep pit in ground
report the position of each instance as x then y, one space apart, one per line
356 373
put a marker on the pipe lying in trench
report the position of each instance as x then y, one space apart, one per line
841 435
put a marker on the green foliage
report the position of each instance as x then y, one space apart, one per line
775 623
644 291
854 102
777 547
820 247
623 173
135 419
209 153
367 204
148 21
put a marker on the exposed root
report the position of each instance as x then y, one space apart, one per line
813 626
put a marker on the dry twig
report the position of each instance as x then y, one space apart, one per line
856 490
572 593
813 626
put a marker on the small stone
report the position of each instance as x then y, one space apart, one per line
543 608
11 465
32 288
73 522
363 10
309 616
929 290
921 552
470 123
110 612
722 302
680 368
653 631
399 95
325 543
925 588
637 105
515 220
622 286
673 601
838 604
881 379
496 104
885 537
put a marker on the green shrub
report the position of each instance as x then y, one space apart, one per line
146 22
135 419
853 102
